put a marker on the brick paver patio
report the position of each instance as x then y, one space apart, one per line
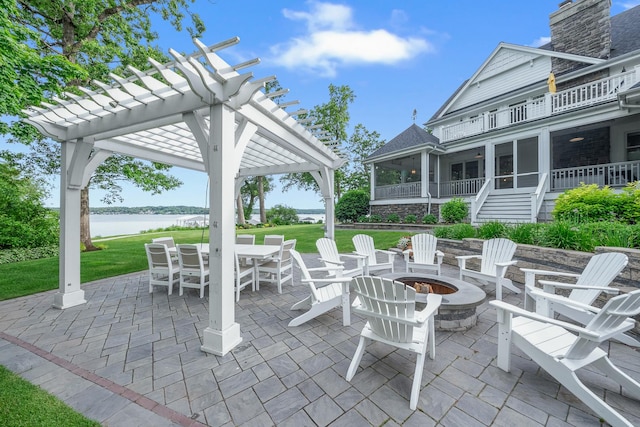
130 358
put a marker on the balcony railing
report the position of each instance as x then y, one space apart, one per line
570 99
461 187
611 174
399 191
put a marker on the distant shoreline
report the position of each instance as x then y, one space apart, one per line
173 210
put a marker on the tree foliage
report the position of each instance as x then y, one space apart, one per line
67 43
24 222
352 205
333 119
282 215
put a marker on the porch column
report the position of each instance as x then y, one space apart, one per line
424 174
489 157
372 179
71 171
544 156
223 333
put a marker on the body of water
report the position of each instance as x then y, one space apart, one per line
112 225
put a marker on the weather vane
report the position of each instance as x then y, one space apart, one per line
415 113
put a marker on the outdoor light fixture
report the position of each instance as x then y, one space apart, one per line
479 155
413 166
576 139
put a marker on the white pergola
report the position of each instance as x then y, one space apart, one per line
196 112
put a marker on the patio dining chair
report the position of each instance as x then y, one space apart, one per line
331 258
425 254
246 239
193 271
244 276
389 308
562 348
325 293
171 245
278 269
594 280
496 257
163 270
365 246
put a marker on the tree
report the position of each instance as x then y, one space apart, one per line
282 215
333 119
360 145
352 205
250 192
24 222
84 40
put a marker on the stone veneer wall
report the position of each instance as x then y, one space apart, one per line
417 209
529 256
583 28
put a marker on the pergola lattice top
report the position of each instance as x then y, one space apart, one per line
155 118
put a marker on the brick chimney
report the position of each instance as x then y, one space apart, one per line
581 27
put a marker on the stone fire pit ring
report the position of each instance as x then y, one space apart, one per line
458 309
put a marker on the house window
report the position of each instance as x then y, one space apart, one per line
633 146
457 171
471 169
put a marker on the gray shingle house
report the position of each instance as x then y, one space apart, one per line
529 124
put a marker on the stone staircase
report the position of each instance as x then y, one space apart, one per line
509 208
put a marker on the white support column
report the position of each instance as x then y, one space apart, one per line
424 174
544 155
325 182
69 293
372 179
223 333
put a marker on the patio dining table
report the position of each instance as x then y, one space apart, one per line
256 252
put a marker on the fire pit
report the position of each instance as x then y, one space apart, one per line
459 299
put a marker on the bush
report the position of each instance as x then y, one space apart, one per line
526 234
566 235
394 218
363 218
590 203
352 205
410 219
462 231
429 219
454 211
492 230
282 215
375 218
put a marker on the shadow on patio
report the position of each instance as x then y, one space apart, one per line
128 357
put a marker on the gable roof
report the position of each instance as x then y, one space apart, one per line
625 38
411 138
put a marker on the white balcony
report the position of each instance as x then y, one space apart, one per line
603 90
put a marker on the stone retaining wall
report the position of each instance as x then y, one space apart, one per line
529 256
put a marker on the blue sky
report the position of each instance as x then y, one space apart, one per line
395 56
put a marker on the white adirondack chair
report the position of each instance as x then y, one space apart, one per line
496 257
562 348
595 279
325 294
389 308
163 270
193 272
365 246
425 254
331 258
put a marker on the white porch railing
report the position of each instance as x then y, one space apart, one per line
462 187
478 201
538 197
576 97
399 191
612 174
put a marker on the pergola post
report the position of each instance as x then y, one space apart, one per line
223 333
71 170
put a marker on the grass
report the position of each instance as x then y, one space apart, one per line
24 404
126 255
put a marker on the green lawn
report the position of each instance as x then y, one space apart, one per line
127 255
24 404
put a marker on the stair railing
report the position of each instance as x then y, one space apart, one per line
478 201
538 197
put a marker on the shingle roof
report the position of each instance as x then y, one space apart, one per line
412 137
625 32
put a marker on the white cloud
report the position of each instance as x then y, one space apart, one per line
333 40
541 41
629 4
